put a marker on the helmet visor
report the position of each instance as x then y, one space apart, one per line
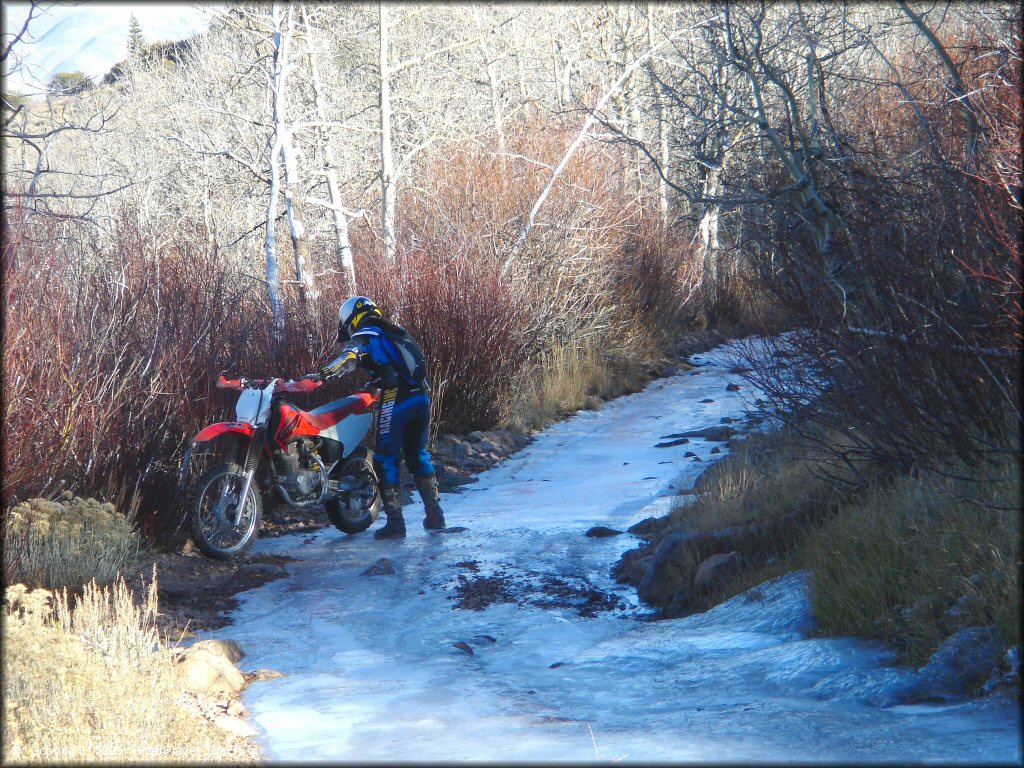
343 335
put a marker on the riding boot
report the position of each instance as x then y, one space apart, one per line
395 526
427 486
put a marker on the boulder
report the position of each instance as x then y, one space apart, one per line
601 532
668 572
229 649
204 671
632 565
382 567
715 569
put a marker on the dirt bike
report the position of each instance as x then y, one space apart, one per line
302 457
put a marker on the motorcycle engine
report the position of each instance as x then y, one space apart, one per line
299 470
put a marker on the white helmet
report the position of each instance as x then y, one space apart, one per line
351 314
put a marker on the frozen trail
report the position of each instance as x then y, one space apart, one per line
372 673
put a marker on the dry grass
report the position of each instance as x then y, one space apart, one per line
94 683
566 380
908 561
69 542
916 562
765 480
759 501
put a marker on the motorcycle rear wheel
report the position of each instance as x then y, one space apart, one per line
219 527
356 510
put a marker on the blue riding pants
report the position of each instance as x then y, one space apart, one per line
402 430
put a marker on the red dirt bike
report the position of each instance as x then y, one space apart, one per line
302 457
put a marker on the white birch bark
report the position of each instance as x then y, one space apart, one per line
387 157
270 239
343 245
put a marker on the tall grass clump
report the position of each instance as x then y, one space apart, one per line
68 542
760 502
93 682
915 562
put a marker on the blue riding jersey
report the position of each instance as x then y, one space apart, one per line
404 416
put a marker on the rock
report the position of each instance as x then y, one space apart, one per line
259 571
716 449
632 565
716 433
707 400
668 571
382 567
671 443
601 532
646 528
229 649
204 671
235 725
237 709
962 662
732 388
262 674
715 569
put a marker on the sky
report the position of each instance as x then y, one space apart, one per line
87 36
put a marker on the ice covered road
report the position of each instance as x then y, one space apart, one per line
373 673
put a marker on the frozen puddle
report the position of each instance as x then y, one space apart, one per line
373 674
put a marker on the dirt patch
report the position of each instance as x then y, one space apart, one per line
476 592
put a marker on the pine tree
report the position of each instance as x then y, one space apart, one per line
135 39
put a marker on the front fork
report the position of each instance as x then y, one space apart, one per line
252 461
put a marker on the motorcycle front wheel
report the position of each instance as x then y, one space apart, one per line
222 525
358 507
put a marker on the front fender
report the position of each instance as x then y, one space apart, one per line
224 428
205 435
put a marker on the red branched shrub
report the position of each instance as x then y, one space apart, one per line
913 317
110 360
469 324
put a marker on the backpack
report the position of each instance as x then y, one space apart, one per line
405 354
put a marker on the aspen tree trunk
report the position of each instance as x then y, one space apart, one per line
270 241
592 118
662 133
492 82
343 246
387 158
284 144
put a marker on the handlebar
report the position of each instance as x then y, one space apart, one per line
300 386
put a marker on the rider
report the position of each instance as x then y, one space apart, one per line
392 355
